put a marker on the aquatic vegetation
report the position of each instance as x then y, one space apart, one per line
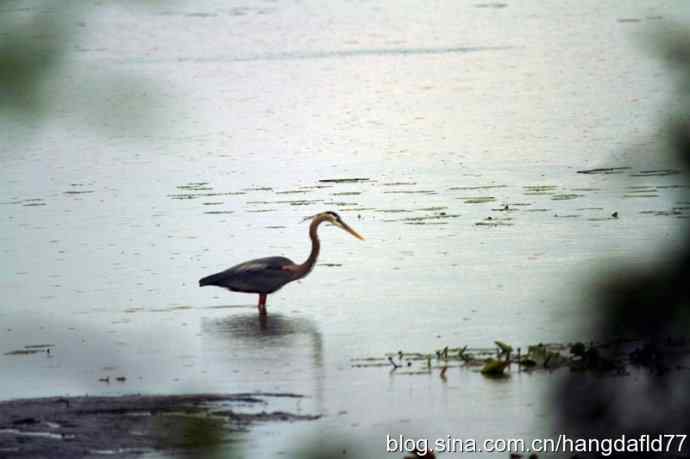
478 200
399 184
616 356
73 192
31 349
345 180
564 197
537 190
495 221
494 367
292 192
605 170
656 173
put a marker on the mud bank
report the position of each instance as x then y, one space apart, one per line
129 426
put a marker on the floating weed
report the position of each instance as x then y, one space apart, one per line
256 211
32 349
432 209
393 211
478 200
427 218
538 190
491 221
195 186
648 195
260 188
274 227
656 173
345 180
200 195
75 192
218 212
212 203
292 192
662 213
23 352
564 197
399 184
586 189
495 368
505 208
605 170
347 193
537 210
601 219
672 186
614 356
426 223
314 187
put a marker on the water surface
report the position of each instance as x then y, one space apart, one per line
449 134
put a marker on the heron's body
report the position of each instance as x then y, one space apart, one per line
268 275
263 275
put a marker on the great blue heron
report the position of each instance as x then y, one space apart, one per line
267 275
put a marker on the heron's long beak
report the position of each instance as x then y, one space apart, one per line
350 230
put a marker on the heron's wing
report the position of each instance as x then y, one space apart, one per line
262 264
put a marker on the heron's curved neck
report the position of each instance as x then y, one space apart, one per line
306 267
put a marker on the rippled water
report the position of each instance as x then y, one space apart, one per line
458 137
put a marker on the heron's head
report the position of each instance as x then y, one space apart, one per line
334 219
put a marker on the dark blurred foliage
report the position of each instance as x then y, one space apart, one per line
650 305
32 43
41 58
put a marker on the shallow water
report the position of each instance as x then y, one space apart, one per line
450 136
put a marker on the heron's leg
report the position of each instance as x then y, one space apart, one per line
262 304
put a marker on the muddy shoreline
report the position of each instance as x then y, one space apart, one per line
129 426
